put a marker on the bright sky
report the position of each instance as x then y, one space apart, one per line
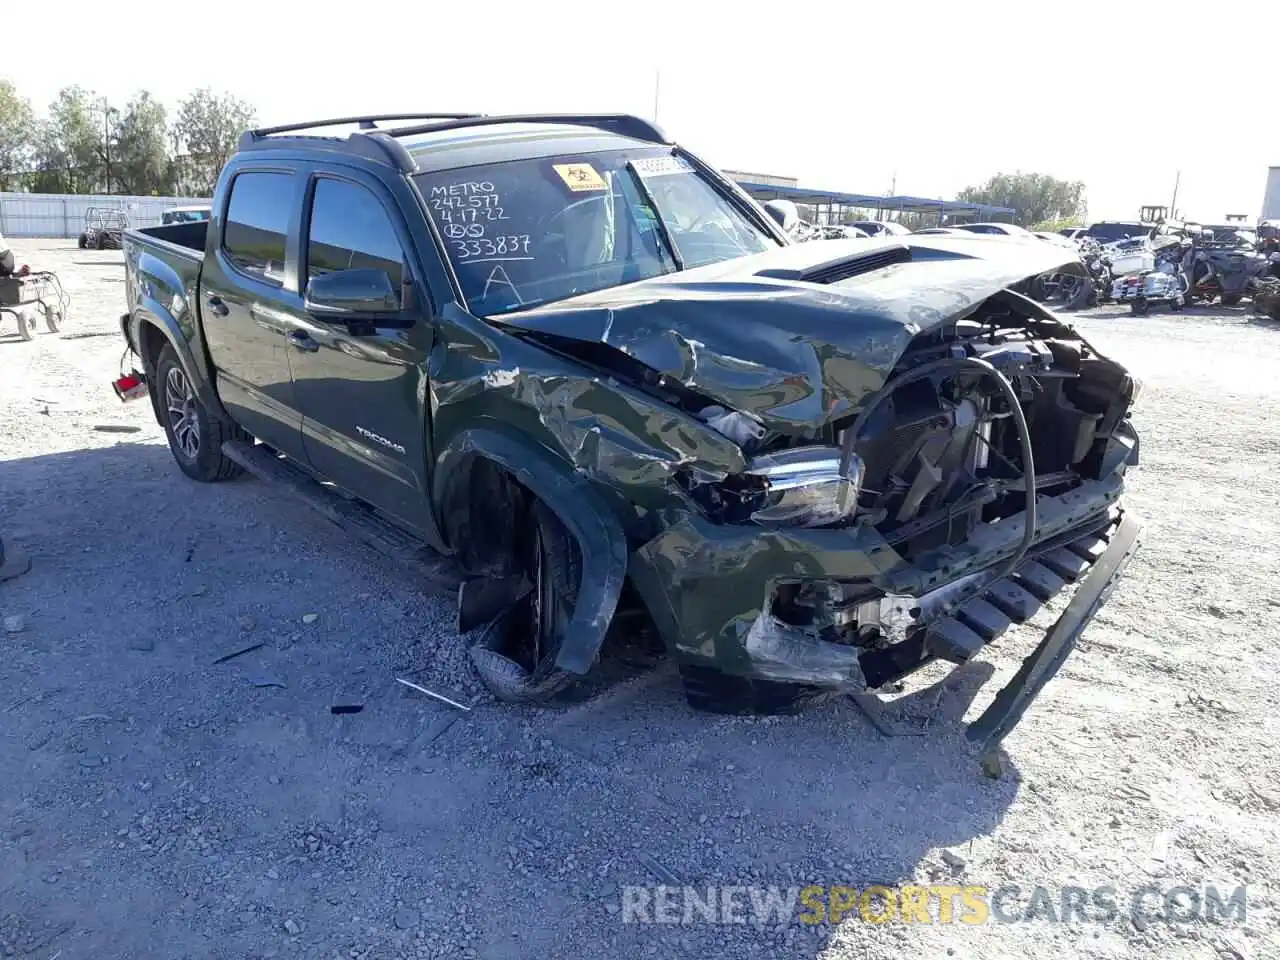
1121 94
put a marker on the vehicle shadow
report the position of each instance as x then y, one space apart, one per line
631 787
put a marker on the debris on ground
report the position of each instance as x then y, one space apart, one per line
438 696
310 617
15 623
239 651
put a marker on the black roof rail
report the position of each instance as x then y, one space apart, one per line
367 122
380 144
620 123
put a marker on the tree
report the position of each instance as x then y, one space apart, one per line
1035 197
70 144
139 154
17 133
207 129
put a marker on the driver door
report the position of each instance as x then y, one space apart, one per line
360 387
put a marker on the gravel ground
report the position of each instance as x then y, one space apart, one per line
156 803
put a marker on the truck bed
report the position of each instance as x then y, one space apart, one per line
189 237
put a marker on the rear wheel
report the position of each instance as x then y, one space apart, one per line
195 435
1230 299
516 654
1139 307
82 241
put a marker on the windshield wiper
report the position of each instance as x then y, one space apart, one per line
663 231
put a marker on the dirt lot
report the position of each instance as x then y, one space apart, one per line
154 803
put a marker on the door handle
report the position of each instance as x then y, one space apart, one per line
303 341
216 305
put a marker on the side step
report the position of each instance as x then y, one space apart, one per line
437 572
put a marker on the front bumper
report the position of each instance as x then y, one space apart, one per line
709 590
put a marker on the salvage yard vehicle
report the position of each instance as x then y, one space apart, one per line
557 356
184 215
104 228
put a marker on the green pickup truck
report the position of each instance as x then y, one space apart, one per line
563 364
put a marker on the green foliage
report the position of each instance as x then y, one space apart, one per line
1053 226
208 127
17 133
139 154
82 145
69 143
1035 197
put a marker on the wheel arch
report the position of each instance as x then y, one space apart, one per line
483 460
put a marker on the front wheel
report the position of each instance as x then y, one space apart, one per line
1139 307
516 654
195 435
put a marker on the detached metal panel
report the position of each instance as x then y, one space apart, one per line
62 215
1271 198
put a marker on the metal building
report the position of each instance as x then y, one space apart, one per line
1271 197
63 215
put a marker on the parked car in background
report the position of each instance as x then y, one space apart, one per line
1073 233
185 215
1109 231
881 228
997 229
1056 238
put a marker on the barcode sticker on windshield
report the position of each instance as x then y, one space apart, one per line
580 176
662 166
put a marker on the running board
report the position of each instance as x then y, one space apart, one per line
438 573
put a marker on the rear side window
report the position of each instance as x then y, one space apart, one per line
351 229
258 222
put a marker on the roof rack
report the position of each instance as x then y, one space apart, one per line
380 144
365 122
620 123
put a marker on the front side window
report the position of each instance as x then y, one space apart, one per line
527 232
258 222
350 229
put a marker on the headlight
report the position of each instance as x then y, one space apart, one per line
802 487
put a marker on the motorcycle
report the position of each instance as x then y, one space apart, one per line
1166 282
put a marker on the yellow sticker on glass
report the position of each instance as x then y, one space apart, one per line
580 176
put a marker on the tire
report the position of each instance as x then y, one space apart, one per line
100 241
515 655
82 241
1079 295
1139 308
52 318
195 435
1231 299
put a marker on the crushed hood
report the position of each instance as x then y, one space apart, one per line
797 336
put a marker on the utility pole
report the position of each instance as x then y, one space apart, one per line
1173 206
657 88
106 139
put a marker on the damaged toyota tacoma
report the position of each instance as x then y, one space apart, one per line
579 364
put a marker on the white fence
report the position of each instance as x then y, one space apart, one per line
62 215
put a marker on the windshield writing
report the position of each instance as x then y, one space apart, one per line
535 231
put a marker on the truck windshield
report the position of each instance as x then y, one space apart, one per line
527 232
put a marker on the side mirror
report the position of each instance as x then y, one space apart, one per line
358 294
785 213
